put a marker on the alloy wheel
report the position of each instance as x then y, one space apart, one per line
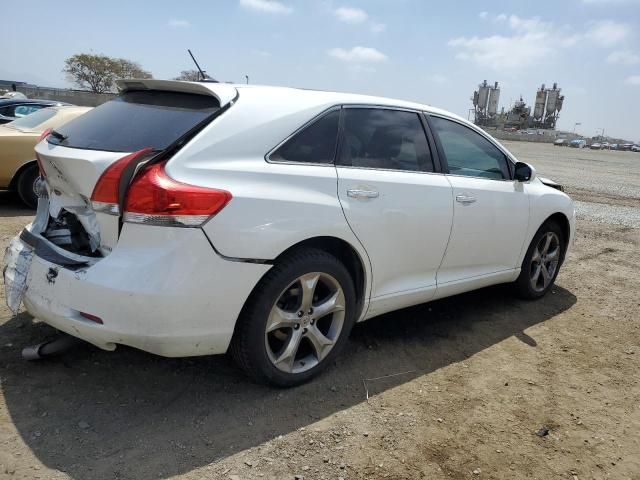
305 322
544 261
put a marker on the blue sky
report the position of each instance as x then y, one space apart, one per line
431 52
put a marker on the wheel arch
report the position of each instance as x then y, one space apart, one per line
349 257
21 169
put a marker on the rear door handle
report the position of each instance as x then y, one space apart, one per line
356 193
465 199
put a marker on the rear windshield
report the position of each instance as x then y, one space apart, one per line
136 120
34 119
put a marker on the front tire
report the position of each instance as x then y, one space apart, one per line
296 320
542 262
26 186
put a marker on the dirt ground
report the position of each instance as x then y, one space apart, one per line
477 376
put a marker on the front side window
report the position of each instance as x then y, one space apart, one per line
316 143
468 153
384 139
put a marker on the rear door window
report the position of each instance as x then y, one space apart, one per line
136 120
384 139
316 143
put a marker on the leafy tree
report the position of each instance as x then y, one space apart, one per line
191 76
129 69
99 72
188 76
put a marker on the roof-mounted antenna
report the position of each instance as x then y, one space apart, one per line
203 74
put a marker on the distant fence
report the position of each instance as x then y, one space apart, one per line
76 97
548 136
521 137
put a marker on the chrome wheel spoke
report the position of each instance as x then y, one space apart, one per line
335 303
546 278
536 256
553 256
308 284
547 242
281 319
536 274
287 357
320 342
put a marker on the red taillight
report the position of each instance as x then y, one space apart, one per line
45 134
106 192
154 198
91 317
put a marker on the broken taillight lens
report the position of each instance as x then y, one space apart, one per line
93 318
45 134
156 199
105 194
40 166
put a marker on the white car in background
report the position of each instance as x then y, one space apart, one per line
196 218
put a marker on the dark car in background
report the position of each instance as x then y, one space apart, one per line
14 108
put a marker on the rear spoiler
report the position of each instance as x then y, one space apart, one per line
225 93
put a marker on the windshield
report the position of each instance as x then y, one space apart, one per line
136 120
31 121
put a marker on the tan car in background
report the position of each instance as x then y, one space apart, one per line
18 167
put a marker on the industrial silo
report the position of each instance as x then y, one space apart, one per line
485 102
541 100
552 99
559 103
483 96
492 109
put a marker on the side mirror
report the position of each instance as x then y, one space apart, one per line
524 172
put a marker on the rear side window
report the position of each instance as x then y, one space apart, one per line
469 153
8 111
316 143
136 120
384 139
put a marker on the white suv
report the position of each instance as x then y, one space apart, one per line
196 218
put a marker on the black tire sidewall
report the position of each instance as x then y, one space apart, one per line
523 283
265 295
25 186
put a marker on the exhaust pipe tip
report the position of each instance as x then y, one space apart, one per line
61 343
32 353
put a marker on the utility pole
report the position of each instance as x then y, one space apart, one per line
246 77
575 125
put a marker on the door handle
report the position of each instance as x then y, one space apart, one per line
465 199
355 193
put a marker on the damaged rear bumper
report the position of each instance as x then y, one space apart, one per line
163 290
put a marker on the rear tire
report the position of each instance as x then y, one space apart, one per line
26 186
542 262
296 320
